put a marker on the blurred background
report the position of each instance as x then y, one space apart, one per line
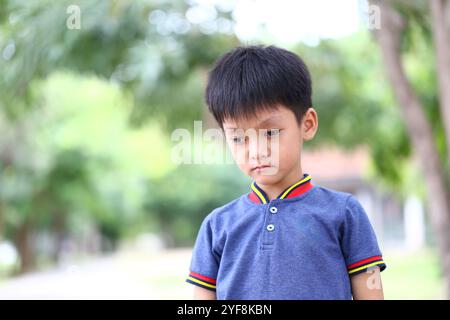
92 203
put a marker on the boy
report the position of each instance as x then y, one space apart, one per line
286 238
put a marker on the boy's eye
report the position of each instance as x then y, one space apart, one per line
272 132
237 139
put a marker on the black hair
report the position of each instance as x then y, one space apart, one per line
248 79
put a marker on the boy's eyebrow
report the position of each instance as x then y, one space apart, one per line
268 120
260 124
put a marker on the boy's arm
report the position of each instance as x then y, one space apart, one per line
205 262
367 285
203 294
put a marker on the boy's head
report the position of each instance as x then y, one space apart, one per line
267 90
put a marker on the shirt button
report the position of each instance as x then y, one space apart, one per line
270 227
273 209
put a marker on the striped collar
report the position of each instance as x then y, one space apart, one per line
257 195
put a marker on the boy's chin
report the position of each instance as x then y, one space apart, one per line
266 178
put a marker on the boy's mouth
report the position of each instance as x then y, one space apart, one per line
259 168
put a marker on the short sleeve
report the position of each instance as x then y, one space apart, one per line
358 240
205 260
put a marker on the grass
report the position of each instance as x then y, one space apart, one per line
412 275
409 275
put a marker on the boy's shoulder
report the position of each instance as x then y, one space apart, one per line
330 195
234 206
344 204
338 199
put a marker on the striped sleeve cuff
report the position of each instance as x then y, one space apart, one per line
201 281
366 264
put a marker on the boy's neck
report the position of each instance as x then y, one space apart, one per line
273 190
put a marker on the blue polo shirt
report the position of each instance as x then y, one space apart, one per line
305 244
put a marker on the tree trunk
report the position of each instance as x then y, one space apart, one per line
440 14
59 231
419 130
2 223
23 243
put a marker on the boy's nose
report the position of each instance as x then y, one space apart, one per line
258 149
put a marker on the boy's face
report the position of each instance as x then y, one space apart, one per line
268 147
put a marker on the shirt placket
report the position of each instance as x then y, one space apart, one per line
270 226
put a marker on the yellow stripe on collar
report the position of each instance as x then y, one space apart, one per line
258 193
308 177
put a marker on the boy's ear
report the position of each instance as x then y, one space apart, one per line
310 124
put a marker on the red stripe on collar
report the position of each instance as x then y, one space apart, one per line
301 189
254 198
295 192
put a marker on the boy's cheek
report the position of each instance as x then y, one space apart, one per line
288 152
240 160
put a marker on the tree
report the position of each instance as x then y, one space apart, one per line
396 18
138 45
148 49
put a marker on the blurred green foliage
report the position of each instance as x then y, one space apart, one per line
86 116
179 201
